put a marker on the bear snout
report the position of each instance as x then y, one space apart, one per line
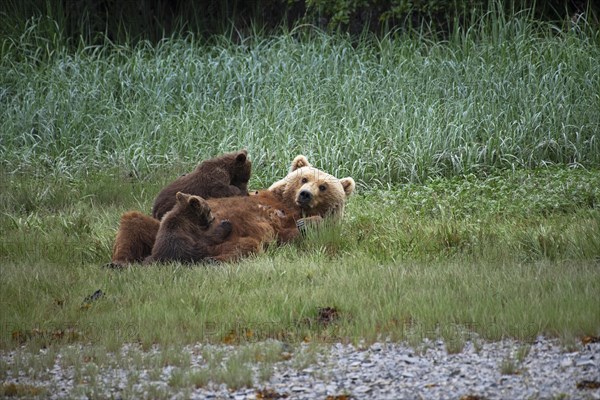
304 197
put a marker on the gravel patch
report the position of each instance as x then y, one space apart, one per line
482 370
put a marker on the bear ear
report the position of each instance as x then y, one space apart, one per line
241 156
194 201
348 184
299 162
180 197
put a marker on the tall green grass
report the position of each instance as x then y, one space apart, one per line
502 94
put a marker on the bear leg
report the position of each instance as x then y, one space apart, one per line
135 238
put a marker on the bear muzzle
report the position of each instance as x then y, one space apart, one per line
304 198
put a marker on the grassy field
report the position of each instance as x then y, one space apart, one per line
477 161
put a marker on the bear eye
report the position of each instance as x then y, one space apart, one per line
322 188
304 180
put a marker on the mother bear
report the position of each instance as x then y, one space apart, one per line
271 215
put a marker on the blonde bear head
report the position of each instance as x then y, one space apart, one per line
314 191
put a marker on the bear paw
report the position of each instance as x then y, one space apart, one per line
225 227
303 223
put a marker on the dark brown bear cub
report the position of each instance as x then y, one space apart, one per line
188 233
223 176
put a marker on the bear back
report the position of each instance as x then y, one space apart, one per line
223 176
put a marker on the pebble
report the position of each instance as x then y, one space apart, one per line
567 362
379 371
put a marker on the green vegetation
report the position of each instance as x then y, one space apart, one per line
386 111
91 22
509 255
233 366
478 169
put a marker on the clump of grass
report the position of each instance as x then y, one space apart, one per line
236 369
20 390
177 379
307 355
168 357
512 364
237 373
522 353
158 391
199 378
508 366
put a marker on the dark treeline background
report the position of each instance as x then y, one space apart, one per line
93 21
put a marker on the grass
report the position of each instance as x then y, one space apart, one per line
512 364
163 371
490 255
477 210
502 94
21 390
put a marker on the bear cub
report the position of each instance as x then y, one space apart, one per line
188 233
223 176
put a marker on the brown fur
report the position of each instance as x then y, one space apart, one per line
222 176
189 232
271 215
257 221
135 238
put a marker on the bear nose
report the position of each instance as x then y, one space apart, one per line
304 197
